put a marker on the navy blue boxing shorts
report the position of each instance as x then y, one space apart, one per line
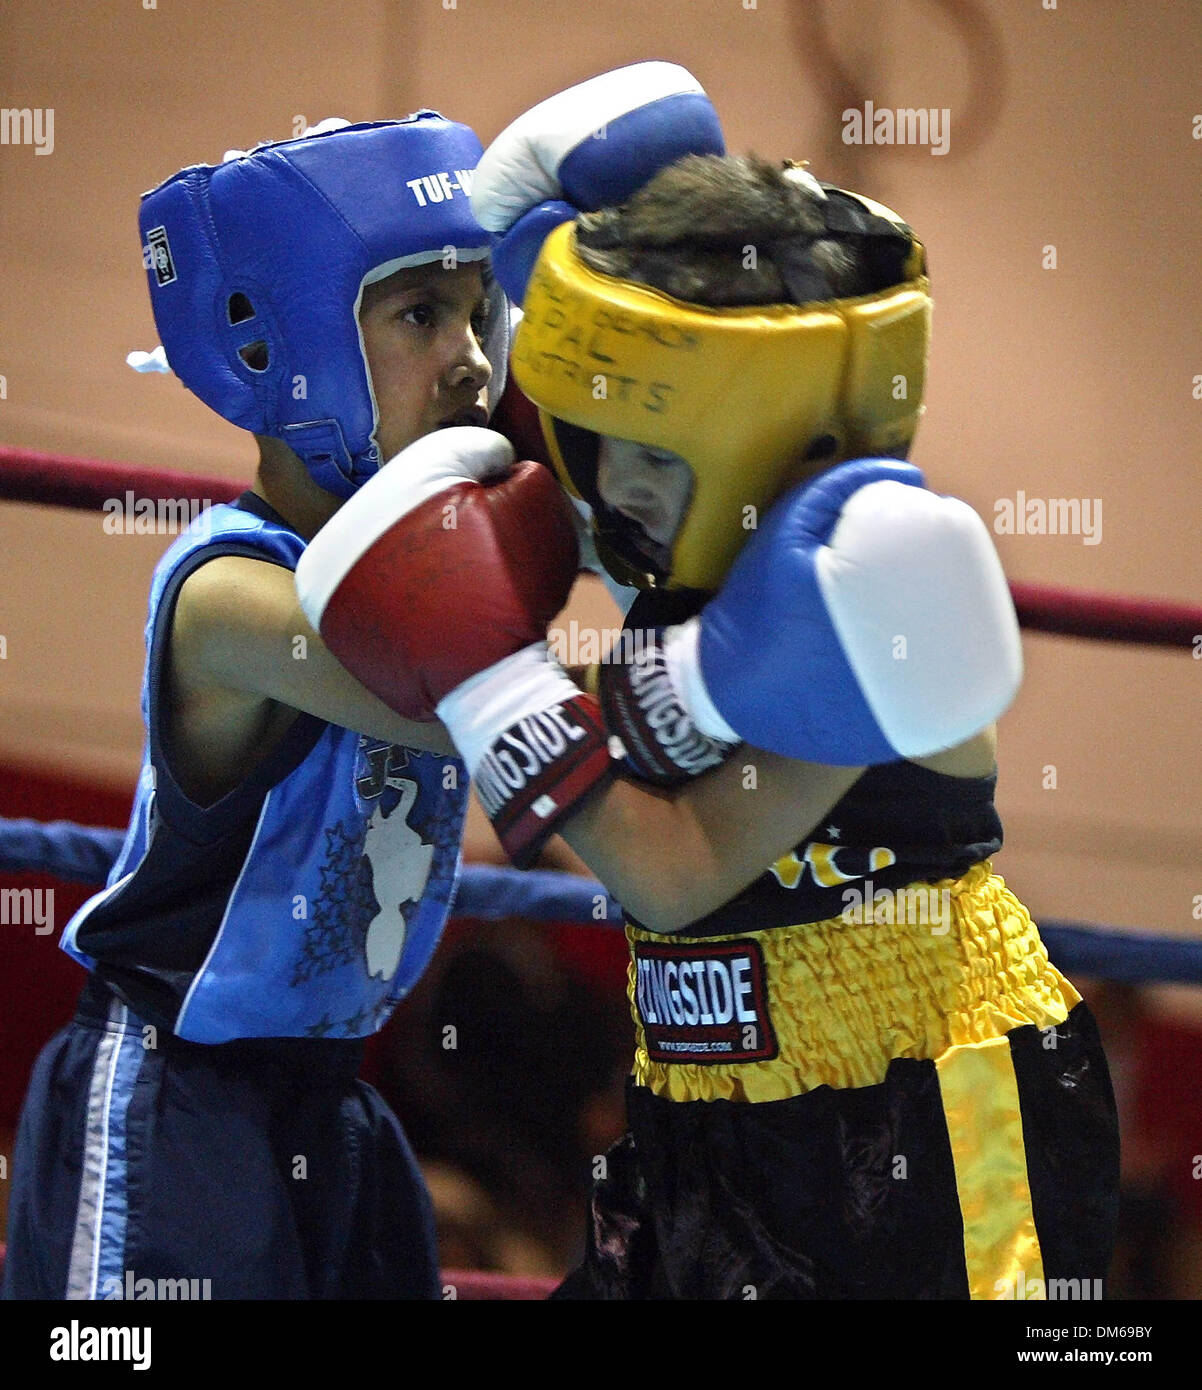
254 1169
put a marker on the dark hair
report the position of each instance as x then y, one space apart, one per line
689 232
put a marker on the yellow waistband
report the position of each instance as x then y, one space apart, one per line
834 1002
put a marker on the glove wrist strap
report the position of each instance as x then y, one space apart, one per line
651 701
534 744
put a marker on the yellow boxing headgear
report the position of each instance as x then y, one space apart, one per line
753 399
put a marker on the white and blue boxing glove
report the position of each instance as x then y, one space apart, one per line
867 620
589 147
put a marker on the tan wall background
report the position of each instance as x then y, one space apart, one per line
1071 127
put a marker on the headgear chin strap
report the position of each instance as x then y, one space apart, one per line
753 399
257 266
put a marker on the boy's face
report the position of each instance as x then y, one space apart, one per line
423 330
649 486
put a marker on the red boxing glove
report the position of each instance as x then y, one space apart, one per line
433 585
448 560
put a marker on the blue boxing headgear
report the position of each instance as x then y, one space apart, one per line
257 267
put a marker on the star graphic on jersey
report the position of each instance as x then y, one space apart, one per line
344 845
319 1029
832 833
342 907
353 1026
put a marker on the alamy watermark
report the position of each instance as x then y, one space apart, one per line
134 1289
903 125
1021 515
918 905
132 515
28 907
24 125
1024 1289
76 1342
586 646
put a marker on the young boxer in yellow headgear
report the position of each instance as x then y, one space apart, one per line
856 1073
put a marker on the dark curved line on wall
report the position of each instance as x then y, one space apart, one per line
841 88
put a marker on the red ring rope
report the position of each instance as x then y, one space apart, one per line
54 480
59 481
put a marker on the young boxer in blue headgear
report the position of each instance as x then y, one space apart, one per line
294 843
856 1072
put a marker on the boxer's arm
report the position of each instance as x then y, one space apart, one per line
238 626
398 597
671 857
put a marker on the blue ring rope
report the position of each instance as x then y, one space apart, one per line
84 854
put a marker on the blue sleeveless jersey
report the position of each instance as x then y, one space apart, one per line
307 901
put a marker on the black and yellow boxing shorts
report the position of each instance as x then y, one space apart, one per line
914 1104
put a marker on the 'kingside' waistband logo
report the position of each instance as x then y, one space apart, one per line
704 1004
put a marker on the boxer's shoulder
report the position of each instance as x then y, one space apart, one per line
218 723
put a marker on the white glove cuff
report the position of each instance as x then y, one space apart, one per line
477 712
520 169
682 659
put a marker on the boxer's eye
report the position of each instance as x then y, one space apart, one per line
422 315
